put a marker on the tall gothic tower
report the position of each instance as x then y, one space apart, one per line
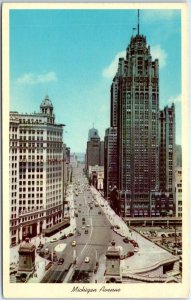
138 127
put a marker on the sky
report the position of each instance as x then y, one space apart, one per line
72 56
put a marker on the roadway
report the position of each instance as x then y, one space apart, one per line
94 244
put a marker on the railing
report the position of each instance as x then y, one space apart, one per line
156 265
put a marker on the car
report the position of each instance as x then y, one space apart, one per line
74 243
86 231
102 205
38 250
70 234
83 219
96 205
83 222
83 227
132 242
87 259
99 212
129 254
78 233
60 261
46 251
117 227
48 265
53 240
79 210
136 249
126 240
87 225
63 237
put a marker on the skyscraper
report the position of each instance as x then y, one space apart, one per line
138 127
36 172
167 149
110 163
95 149
136 115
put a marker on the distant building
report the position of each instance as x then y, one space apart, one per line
94 150
36 172
167 149
110 166
96 175
80 157
66 172
73 160
114 99
178 190
178 156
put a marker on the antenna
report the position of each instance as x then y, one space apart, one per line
138 23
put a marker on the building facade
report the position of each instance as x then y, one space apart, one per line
167 149
36 172
138 128
178 191
145 136
110 165
94 150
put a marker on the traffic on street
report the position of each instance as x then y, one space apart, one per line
78 256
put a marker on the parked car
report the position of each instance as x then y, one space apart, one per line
99 212
129 254
117 227
136 249
60 261
46 251
87 259
70 234
86 231
133 242
53 240
126 240
63 237
48 265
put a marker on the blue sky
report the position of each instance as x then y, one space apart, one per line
72 55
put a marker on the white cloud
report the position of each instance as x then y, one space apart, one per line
148 16
175 99
110 70
158 52
31 78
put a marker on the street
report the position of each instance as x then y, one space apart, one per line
92 238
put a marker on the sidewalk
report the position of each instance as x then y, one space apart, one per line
113 218
39 261
148 255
